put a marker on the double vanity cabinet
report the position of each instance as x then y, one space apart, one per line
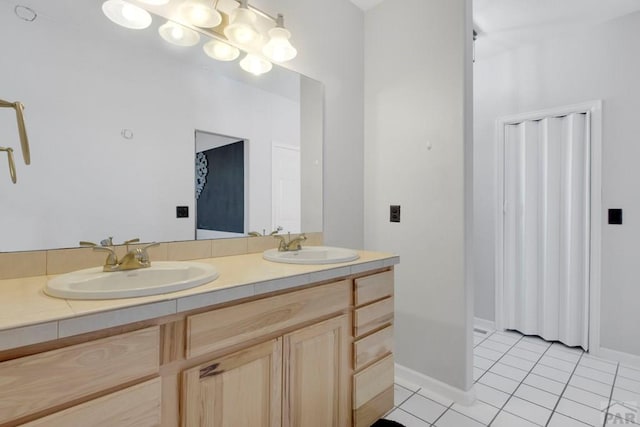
316 354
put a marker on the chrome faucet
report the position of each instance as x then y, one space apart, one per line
292 244
133 260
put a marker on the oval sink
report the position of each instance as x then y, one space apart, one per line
162 277
312 255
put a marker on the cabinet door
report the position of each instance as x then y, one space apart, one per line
316 364
243 389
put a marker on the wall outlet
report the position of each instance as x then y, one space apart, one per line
615 216
394 213
182 211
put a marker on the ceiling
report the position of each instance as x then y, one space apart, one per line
506 24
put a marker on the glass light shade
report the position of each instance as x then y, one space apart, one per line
200 14
241 29
154 2
279 49
126 14
255 65
178 35
221 50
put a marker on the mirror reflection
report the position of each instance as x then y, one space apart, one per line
116 119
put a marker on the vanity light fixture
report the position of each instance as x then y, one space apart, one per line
241 29
154 2
255 65
279 48
177 34
126 14
229 30
200 13
221 51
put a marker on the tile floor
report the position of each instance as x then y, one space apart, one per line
526 381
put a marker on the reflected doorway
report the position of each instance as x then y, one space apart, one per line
221 168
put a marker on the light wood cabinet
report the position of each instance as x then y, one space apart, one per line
316 366
320 356
372 348
137 406
243 389
44 381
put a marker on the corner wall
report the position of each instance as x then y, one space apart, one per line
329 37
417 148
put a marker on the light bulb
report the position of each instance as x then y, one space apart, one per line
279 48
154 2
177 34
255 65
241 29
220 50
200 14
126 14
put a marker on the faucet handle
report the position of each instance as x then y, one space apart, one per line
282 244
143 255
112 259
128 242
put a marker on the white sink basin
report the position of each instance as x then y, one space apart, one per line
161 277
312 255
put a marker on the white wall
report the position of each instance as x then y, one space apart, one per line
417 131
329 37
602 63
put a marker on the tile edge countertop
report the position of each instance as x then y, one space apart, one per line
29 316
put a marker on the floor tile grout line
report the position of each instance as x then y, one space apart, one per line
442 414
497 360
592 379
518 386
613 386
410 396
485 338
627 378
553 411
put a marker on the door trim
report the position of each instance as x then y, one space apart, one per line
594 109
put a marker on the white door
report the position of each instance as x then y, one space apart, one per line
285 172
546 228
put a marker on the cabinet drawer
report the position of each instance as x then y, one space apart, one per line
35 383
373 381
373 410
373 347
373 316
137 406
375 287
218 329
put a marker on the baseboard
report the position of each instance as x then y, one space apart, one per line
487 325
618 356
409 376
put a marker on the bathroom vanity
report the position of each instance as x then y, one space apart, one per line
264 345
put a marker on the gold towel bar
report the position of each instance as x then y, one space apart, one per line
22 130
12 165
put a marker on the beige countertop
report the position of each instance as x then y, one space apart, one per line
29 316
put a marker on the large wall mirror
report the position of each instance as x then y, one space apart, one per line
119 122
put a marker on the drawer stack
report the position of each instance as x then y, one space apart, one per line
373 348
71 378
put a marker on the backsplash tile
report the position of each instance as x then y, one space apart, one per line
188 250
228 247
14 265
260 244
64 260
